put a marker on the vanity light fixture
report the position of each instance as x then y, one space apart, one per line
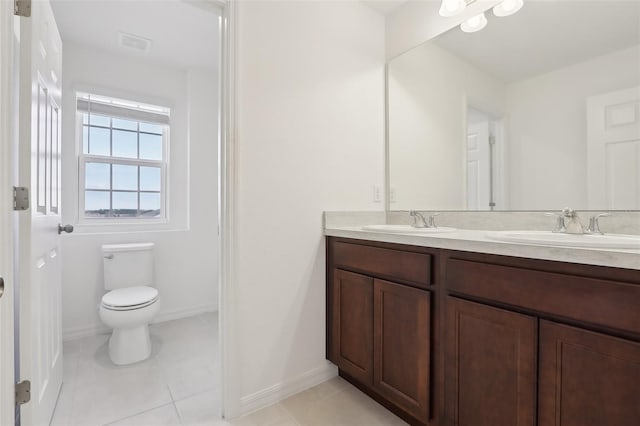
450 8
475 23
508 7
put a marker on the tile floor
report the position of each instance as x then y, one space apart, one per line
179 385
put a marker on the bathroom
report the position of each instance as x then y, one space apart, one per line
308 132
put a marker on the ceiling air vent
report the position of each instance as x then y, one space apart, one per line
131 41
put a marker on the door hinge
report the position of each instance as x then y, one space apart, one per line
492 140
20 198
22 8
23 392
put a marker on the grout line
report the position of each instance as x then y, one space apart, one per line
175 407
290 414
137 414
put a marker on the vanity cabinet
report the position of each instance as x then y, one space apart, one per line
380 324
453 338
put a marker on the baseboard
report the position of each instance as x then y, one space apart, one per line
184 313
74 333
283 390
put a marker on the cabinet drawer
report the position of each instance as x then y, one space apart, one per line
386 263
603 302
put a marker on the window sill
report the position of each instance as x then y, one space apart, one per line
106 226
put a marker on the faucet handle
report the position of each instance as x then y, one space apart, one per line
594 226
418 219
559 221
431 220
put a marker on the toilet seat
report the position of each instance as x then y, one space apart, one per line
130 298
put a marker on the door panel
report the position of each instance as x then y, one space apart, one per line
614 150
587 379
491 362
478 165
353 324
39 253
402 317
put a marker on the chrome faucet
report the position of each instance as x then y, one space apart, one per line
419 221
594 226
572 223
559 228
567 222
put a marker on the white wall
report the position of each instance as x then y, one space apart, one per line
417 21
548 129
310 138
186 251
429 90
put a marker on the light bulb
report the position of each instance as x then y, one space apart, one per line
475 23
508 7
452 7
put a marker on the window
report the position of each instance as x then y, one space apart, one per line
123 162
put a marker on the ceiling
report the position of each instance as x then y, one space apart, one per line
544 36
183 33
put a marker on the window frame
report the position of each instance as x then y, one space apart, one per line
83 159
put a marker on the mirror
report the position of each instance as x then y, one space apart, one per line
538 111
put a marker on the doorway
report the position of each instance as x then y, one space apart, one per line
484 144
185 237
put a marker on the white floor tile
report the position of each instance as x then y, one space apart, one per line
162 416
202 409
190 376
119 396
97 392
64 407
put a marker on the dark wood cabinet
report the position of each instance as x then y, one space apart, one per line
587 378
491 361
353 324
456 338
401 359
379 329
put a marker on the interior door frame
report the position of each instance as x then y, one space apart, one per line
7 129
229 369
227 208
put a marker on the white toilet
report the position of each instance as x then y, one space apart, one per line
130 303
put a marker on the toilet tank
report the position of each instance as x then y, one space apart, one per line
127 265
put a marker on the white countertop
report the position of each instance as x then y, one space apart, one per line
476 241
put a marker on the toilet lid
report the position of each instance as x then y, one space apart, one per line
130 296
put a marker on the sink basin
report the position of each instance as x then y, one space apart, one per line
546 238
407 229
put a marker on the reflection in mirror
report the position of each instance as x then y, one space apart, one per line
538 111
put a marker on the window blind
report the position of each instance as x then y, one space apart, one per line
95 107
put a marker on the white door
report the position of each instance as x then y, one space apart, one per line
39 252
478 167
613 154
7 115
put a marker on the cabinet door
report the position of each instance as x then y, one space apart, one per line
490 364
402 317
353 324
587 379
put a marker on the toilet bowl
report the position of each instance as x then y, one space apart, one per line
128 312
130 303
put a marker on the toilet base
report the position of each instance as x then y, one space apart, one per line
129 345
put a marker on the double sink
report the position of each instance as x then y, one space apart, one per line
545 238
